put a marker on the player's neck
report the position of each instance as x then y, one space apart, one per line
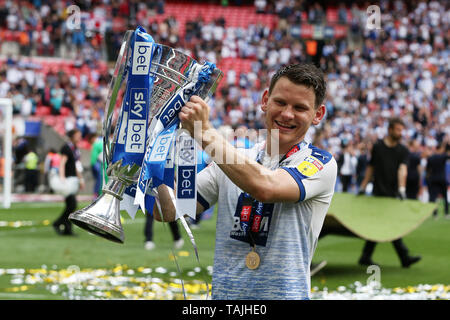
388 141
276 149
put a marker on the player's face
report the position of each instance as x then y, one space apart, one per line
396 132
290 109
76 137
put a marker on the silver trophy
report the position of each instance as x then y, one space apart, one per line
171 68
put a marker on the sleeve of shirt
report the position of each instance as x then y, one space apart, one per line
65 150
405 155
207 187
314 177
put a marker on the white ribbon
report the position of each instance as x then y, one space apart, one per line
186 171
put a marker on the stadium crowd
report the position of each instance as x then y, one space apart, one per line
400 69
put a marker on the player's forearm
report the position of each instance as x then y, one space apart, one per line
367 177
62 167
402 173
246 173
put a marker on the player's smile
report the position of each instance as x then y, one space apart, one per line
290 108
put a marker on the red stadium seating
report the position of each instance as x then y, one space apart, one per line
235 16
65 111
43 111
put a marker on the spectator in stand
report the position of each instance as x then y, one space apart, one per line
56 98
260 6
372 75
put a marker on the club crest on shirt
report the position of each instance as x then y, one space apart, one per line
310 166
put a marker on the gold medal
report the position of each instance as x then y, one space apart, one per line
252 260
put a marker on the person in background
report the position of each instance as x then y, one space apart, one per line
347 162
436 176
70 166
363 160
388 168
178 241
51 166
413 179
96 163
31 161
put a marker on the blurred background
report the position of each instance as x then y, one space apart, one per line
56 58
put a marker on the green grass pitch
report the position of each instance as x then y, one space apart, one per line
29 242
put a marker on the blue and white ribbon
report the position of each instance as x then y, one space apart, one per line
131 140
152 171
186 160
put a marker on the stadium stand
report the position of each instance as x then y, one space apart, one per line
400 69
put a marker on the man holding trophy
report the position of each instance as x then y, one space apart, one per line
272 199
271 203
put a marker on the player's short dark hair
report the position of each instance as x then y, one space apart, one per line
394 121
304 74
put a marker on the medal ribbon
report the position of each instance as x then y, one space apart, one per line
253 210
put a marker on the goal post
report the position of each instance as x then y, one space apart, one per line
6 152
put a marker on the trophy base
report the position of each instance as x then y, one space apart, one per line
98 227
101 218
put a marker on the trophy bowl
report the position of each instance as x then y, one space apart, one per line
171 70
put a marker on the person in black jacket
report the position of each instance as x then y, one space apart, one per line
435 175
414 170
70 166
388 167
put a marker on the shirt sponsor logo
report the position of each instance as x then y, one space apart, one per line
310 166
245 213
256 223
307 169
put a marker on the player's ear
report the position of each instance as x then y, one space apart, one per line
320 113
264 101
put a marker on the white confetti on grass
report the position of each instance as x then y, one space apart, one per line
122 282
161 270
119 282
374 291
